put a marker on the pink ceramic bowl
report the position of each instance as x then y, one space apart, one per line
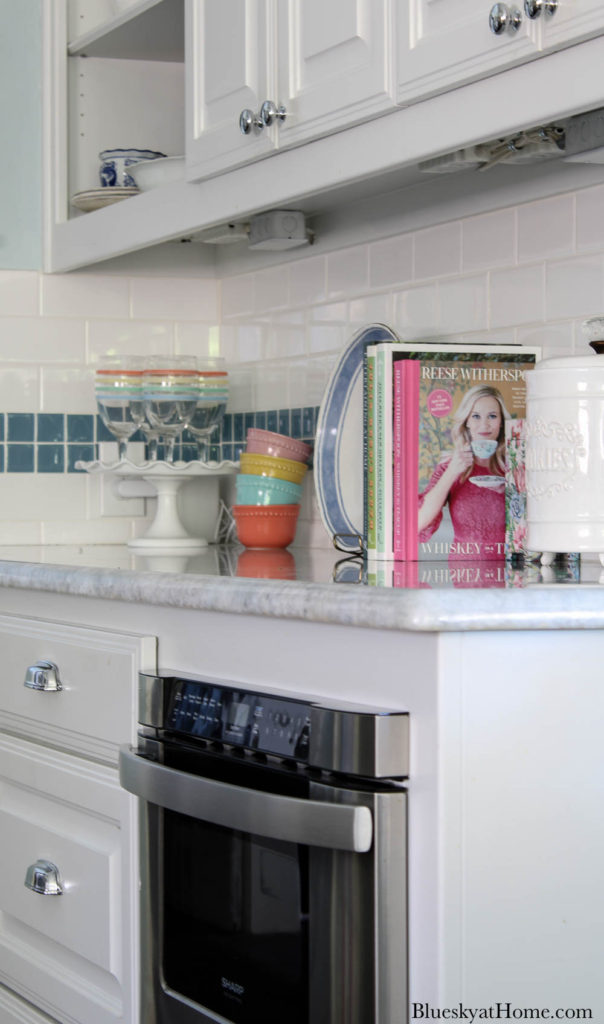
265 442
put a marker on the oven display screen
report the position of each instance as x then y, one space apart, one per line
251 720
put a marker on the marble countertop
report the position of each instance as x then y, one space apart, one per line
320 586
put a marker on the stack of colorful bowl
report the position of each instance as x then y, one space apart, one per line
269 489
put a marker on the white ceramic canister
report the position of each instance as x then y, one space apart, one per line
565 451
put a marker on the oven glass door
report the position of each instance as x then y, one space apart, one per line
234 905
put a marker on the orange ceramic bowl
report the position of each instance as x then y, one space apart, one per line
266 442
266 526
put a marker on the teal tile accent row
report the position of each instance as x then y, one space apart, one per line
54 442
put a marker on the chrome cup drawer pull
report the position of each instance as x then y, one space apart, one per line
44 675
43 877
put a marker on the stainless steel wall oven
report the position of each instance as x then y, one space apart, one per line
273 856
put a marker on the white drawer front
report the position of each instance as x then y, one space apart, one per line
96 709
69 954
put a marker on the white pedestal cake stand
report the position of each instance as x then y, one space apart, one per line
166 530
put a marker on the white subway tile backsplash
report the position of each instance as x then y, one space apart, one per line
36 339
134 337
241 388
316 376
516 296
19 388
590 218
489 240
331 312
463 304
574 287
237 296
198 339
546 228
553 339
18 531
370 309
64 497
348 271
19 293
85 295
416 312
325 337
271 289
172 298
271 387
250 339
66 388
391 261
438 251
308 281
284 340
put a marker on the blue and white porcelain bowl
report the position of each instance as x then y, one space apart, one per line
115 163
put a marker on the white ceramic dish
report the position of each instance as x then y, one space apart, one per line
338 459
493 483
97 198
152 173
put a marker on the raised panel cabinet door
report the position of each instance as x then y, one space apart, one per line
228 70
95 709
335 65
571 22
66 821
446 43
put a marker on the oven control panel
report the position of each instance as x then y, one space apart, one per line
261 722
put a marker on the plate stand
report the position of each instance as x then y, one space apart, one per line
166 531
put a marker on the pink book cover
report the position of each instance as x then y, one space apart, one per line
451 420
406 454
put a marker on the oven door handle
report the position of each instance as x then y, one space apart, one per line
308 822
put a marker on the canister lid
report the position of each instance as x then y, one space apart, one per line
593 330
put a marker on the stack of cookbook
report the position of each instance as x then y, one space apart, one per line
437 421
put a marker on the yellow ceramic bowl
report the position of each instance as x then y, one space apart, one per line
270 465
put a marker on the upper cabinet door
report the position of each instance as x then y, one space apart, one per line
570 22
228 70
335 65
446 43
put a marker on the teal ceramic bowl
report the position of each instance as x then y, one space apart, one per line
266 490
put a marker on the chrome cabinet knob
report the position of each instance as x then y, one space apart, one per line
504 19
269 112
43 877
249 122
44 675
535 8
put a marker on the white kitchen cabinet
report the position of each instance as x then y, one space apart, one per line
74 956
573 21
443 44
69 954
371 90
229 69
325 65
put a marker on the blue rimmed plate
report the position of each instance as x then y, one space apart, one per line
338 458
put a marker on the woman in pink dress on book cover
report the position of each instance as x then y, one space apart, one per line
471 479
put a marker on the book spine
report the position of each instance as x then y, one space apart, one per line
384 451
379 459
398 504
369 481
411 455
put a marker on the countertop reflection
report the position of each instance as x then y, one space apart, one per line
321 585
